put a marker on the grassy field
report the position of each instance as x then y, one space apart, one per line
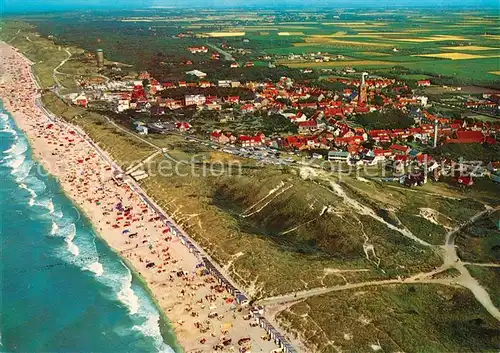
46 56
39 50
489 277
430 41
481 241
400 318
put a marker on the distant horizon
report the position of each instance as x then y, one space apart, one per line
23 7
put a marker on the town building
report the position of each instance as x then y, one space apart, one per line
194 99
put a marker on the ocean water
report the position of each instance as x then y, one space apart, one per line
61 288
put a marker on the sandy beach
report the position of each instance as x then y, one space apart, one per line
204 315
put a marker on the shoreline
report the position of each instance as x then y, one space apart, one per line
183 311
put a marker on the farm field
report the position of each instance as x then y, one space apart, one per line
423 44
460 47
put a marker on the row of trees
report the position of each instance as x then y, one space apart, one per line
385 119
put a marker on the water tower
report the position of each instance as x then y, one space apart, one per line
100 58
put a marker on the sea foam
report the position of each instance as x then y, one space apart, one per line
151 328
95 267
127 295
31 192
75 250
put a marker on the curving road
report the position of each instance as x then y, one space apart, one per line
450 260
56 72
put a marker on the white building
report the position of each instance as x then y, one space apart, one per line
424 101
224 83
142 130
197 73
196 99
123 104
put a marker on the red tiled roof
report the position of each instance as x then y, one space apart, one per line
399 148
309 123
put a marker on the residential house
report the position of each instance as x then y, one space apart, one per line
424 83
380 154
122 105
224 83
249 141
308 126
81 100
493 167
399 150
232 99
194 99
219 137
194 50
467 136
183 126
465 181
247 108
338 156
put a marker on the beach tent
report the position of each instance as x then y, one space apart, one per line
125 231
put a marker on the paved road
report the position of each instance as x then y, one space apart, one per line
319 291
451 260
56 72
227 56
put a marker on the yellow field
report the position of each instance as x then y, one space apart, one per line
291 33
495 72
469 47
491 36
434 38
320 39
454 56
479 22
344 23
416 30
355 24
448 37
225 34
299 23
336 63
273 27
413 40
374 53
381 33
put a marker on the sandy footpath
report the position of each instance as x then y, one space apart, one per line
186 295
